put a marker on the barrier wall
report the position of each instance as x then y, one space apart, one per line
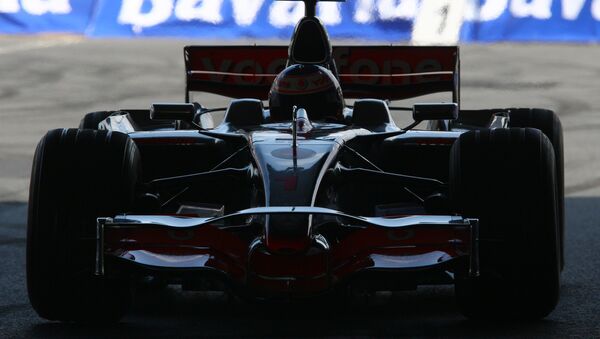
382 20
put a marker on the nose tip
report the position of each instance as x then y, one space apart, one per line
286 246
287 234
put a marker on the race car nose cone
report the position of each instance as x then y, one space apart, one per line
287 234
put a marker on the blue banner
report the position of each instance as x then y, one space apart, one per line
219 19
532 20
380 20
46 16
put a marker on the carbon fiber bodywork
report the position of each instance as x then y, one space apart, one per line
304 206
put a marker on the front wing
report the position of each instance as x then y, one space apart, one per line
343 249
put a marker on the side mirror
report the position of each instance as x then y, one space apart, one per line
183 112
437 111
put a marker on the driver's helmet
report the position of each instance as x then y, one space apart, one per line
311 87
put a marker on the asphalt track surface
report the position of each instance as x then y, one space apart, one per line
50 82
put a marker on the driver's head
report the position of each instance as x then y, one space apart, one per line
311 87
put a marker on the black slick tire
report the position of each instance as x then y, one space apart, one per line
507 179
548 122
77 176
91 120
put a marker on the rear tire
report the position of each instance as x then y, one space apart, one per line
77 176
548 122
92 120
507 179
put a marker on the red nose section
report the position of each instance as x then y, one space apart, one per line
286 234
280 245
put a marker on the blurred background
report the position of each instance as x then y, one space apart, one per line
423 21
60 59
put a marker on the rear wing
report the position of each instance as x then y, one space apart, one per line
382 72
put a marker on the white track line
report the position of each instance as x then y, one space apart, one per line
42 43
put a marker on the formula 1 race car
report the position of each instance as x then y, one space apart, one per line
305 197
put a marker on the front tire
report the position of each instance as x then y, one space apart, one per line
507 179
77 176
